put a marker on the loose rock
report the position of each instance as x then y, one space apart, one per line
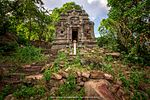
96 75
98 89
86 74
56 76
63 74
108 77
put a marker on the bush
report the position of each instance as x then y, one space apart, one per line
108 41
25 91
125 82
47 74
108 68
136 77
28 54
5 91
68 87
8 47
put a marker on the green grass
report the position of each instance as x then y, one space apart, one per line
69 89
47 74
108 68
24 55
5 91
25 91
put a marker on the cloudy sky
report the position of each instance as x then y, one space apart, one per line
97 9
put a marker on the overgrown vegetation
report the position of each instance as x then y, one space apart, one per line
5 91
23 55
47 74
69 88
25 91
127 30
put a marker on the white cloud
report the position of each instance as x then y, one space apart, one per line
90 1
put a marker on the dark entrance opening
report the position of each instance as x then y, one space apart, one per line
75 35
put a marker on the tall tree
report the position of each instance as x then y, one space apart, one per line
130 21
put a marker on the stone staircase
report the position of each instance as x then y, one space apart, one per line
31 71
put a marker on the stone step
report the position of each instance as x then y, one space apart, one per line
32 69
12 79
34 76
38 64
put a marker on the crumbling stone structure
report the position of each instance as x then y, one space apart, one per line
74 26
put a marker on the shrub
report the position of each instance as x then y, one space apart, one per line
28 54
7 47
5 91
60 57
109 58
139 95
136 77
68 87
125 82
108 68
47 74
25 91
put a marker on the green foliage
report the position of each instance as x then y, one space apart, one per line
126 82
76 61
23 55
139 95
108 58
25 91
131 58
8 47
26 18
5 91
28 54
47 74
69 88
136 77
127 28
107 38
108 68
55 16
61 58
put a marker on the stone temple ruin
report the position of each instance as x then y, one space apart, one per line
74 26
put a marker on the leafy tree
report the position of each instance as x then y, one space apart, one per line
129 21
67 6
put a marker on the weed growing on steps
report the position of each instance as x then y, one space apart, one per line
139 95
108 58
125 81
131 84
25 91
5 91
23 55
47 74
69 88
29 54
61 57
136 77
108 68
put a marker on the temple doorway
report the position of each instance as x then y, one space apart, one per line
74 35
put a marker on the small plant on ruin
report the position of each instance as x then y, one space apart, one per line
47 74
108 58
108 68
5 91
139 95
136 77
125 82
69 86
25 91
